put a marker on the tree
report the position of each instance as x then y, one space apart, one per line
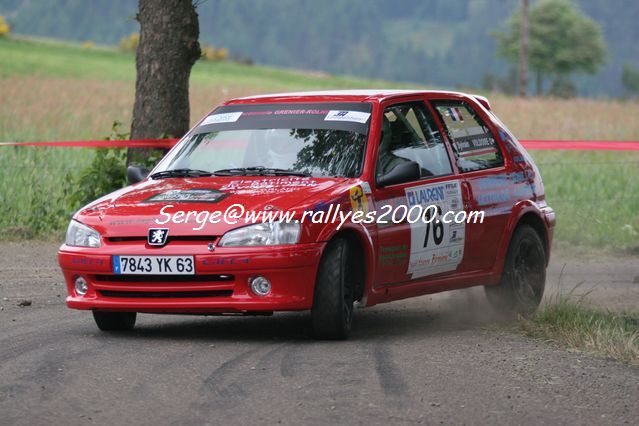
630 79
167 50
4 27
523 49
562 41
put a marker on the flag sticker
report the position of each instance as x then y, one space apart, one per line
455 114
354 116
228 117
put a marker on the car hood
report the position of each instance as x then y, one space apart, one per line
131 211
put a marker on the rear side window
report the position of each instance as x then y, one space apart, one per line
409 133
474 145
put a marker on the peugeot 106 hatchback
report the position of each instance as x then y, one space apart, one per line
318 201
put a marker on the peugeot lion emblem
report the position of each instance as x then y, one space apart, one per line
158 236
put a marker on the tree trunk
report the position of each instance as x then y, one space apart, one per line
168 48
523 50
539 83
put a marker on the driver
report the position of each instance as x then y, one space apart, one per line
387 161
281 151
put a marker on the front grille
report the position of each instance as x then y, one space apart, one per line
170 238
166 294
163 278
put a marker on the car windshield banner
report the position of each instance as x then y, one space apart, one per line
353 117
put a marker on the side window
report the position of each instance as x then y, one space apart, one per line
409 133
474 145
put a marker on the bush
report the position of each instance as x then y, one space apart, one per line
130 43
630 78
562 87
5 29
105 174
210 53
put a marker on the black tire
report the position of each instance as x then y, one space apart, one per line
115 321
524 276
332 311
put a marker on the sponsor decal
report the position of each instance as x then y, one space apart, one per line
275 185
188 196
227 117
353 116
475 145
300 112
393 255
359 202
367 188
225 261
435 246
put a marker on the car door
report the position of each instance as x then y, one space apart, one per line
411 249
480 161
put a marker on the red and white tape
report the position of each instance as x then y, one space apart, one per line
573 145
142 143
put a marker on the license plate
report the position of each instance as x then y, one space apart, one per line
154 265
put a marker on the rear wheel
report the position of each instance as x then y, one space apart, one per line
524 276
115 321
332 311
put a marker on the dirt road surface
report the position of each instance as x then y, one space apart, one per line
435 359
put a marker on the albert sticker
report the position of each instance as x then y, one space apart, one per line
358 199
228 117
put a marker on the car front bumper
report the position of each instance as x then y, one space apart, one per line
220 284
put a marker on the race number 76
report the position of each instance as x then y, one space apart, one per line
435 223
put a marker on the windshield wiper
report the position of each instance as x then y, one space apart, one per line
259 171
180 173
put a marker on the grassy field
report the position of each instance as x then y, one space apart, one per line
570 323
55 91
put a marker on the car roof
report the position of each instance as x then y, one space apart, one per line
367 95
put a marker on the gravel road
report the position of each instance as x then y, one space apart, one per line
435 359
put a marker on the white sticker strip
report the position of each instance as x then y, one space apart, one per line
228 117
354 116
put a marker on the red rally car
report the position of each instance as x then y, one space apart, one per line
179 239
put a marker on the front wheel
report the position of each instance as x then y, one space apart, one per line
524 276
332 311
115 321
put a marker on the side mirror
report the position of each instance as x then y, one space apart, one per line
135 174
405 172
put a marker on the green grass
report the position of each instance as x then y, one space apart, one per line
65 60
59 91
595 196
569 323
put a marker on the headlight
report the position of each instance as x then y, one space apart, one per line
262 234
80 235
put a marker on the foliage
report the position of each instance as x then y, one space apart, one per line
494 83
211 53
569 322
130 42
562 40
105 174
630 78
562 87
595 194
4 27
435 42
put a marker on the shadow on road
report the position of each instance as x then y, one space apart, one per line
418 318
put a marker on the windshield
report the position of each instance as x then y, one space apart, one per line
317 140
